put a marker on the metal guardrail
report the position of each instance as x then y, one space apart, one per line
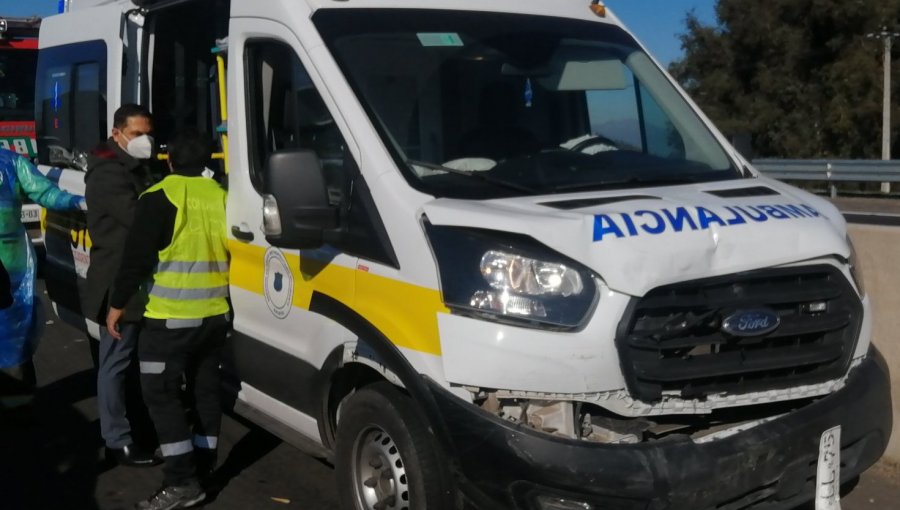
832 172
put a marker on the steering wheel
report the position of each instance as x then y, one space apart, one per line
594 140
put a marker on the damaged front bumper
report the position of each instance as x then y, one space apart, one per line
770 466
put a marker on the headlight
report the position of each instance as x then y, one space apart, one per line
510 277
524 275
855 269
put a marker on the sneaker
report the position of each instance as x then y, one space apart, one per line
174 496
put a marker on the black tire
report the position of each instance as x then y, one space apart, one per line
382 439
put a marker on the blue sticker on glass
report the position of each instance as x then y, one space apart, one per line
439 39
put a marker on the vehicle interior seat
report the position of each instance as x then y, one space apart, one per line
499 135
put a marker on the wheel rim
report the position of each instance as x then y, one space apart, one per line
379 473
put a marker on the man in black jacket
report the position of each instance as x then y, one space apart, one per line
115 179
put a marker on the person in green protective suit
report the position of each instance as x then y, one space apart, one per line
18 326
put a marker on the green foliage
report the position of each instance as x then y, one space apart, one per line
799 75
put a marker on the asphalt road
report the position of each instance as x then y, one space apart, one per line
56 460
870 211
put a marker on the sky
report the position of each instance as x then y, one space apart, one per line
655 22
21 8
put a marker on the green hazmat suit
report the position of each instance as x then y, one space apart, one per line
18 179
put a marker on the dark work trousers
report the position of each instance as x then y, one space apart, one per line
173 353
114 359
17 386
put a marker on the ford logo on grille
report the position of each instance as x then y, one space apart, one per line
747 323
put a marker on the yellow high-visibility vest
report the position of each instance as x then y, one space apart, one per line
191 278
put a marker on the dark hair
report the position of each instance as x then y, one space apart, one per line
126 111
189 151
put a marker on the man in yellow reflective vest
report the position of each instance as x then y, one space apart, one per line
177 248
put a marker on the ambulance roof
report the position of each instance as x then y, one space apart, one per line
565 8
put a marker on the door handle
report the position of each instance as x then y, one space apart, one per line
241 235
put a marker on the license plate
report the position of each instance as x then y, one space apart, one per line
828 473
31 215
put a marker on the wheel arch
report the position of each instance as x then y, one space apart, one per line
344 381
374 358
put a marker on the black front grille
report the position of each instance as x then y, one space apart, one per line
672 340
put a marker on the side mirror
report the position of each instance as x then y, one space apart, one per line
59 156
296 212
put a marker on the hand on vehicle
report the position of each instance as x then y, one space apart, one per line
112 322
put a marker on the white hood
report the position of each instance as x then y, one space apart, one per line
637 240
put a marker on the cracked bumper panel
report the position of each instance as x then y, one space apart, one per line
772 465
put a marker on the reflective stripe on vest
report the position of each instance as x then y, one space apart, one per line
188 294
191 278
192 267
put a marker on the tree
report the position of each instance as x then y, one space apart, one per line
800 76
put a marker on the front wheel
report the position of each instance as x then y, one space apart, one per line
386 458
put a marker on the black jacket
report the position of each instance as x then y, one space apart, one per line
113 183
154 227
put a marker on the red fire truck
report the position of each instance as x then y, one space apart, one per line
18 61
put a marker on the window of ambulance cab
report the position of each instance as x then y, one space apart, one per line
70 101
286 111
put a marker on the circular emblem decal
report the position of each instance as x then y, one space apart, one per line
278 284
749 323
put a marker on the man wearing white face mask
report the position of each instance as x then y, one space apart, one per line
118 172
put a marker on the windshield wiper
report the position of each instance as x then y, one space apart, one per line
628 181
477 175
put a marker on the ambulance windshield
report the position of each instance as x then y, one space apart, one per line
484 105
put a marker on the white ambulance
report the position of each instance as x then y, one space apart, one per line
489 254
